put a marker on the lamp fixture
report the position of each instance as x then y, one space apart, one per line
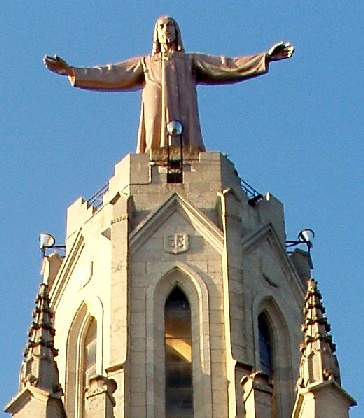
306 237
174 152
174 128
47 240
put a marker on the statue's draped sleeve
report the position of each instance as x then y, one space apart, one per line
124 76
211 69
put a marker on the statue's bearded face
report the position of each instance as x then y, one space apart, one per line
166 31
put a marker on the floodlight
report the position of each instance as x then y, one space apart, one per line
46 240
307 235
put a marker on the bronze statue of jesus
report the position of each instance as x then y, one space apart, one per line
168 78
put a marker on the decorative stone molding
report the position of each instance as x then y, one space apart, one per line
119 219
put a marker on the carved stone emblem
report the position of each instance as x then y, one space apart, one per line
176 243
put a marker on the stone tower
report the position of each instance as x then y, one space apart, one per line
176 299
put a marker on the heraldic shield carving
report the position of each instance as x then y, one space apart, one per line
176 243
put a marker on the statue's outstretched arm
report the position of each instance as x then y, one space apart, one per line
58 65
280 51
126 75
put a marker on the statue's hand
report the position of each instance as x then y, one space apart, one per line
57 65
280 51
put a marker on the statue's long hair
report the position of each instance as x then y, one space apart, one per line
178 42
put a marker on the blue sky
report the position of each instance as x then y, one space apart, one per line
296 132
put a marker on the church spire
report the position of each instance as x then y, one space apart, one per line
319 387
39 368
318 363
40 393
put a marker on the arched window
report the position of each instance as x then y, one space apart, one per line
265 345
88 359
178 355
274 355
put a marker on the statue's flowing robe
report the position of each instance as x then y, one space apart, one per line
169 88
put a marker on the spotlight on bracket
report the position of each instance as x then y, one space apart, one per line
306 237
47 240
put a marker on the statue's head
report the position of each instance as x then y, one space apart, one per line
166 31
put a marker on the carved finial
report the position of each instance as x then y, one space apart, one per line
318 362
39 368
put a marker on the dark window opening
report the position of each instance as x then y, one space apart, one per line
178 355
265 345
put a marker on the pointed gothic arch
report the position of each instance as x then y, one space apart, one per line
195 290
84 337
275 358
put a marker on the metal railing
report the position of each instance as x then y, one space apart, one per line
249 190
97 199
253 195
